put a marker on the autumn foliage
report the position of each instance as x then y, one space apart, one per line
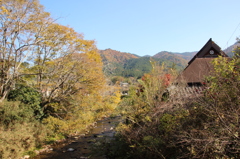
52 73
202 127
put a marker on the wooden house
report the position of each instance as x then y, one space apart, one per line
200 65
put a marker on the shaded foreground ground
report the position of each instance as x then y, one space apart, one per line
80 147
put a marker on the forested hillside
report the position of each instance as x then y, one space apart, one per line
118 63
114 56
186 55
179 61
124 64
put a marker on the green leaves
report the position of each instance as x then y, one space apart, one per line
29 97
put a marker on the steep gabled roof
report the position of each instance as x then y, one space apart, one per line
200 65
196 72
204 52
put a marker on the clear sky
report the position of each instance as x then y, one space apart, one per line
146 27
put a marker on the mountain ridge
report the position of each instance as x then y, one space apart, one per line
128 64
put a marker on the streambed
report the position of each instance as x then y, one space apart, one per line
79 147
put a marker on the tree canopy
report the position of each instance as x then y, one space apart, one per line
37 51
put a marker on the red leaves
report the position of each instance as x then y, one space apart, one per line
167 79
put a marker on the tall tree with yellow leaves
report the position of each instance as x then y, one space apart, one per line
21 23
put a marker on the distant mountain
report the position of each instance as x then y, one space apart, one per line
186 55
189 55
230 49
114 61
124 64
176 58
114 56
137 67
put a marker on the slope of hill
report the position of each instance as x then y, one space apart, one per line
186 55
230 49
114 61
124 64
118 63
114 56
137 67
175 58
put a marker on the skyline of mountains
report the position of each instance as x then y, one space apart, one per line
131 65
162 54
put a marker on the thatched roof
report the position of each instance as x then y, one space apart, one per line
200 65
197 70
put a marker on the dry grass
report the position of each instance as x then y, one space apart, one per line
19 132
18 139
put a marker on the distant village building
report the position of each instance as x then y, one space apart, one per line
200 65
124 88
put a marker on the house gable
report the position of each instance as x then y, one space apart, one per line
209 50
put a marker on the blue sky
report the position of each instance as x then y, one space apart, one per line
146 27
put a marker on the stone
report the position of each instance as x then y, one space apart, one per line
26 157
70 149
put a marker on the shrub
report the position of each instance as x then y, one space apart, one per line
19 131
29 96
14 112
206 127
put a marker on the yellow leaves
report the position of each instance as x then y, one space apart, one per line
117 97
63 64
148 118
4 10
49 63
111 101
21 1
95 56
55 124
123 128
48 43
132 146
223 65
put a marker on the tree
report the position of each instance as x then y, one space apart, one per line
21 25
65 63
53 51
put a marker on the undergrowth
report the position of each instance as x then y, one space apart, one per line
203 127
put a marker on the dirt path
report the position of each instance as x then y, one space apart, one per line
80 147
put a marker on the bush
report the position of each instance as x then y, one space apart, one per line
29 97
206 127
14 112
19 132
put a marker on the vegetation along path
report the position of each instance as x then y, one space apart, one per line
80 147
